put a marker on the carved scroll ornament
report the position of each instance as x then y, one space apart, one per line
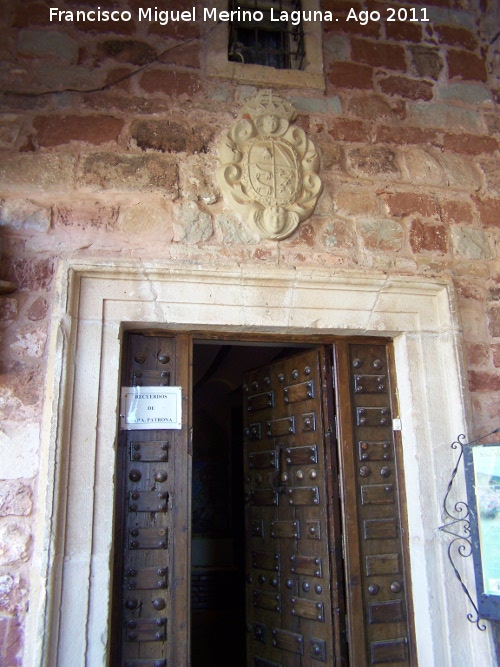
269 168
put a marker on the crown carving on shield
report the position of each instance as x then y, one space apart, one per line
265 103
269 168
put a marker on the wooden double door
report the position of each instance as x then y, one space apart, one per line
324 567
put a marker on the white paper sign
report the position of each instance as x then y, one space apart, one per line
150 408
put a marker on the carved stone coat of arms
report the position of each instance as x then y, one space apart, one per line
269 168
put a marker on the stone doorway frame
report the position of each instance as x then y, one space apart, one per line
95 302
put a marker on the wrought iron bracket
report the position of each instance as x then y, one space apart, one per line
458 526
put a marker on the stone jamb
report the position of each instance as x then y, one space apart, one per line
95 302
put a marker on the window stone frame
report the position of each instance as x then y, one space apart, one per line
311 77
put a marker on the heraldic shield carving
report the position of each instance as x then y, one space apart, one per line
269 168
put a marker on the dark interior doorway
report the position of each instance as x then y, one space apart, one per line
218 532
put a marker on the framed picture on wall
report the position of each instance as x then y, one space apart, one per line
482 476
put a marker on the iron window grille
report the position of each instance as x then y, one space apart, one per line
278 44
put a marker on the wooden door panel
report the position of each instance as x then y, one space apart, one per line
378 603
289 595
147 518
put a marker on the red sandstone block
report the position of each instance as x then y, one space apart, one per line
341 12
483 381
349 130
186 55
37 310
105 4
11 642
403 31
332 153
456 37
377 4
340 6
465 65
426 62
262 254
373 108
171 137
32 13
305 123
356 202
428 238
119 79
470 144
489 211
371 29
390 56
9 308
94 129
466 289
372 161
350 75
87 214
112 27
494 321
176 29
380 235
406 135
403 204
386 7
456 212
338 234
408 88
29 274
170 82
131 51
478 354
496 354
161 5
306 236
183 30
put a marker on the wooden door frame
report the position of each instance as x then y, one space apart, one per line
95 300
181 510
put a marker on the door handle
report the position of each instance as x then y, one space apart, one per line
282 477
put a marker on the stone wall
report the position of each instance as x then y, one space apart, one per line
108 149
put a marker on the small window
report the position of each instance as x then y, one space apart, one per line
259 49
258 37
